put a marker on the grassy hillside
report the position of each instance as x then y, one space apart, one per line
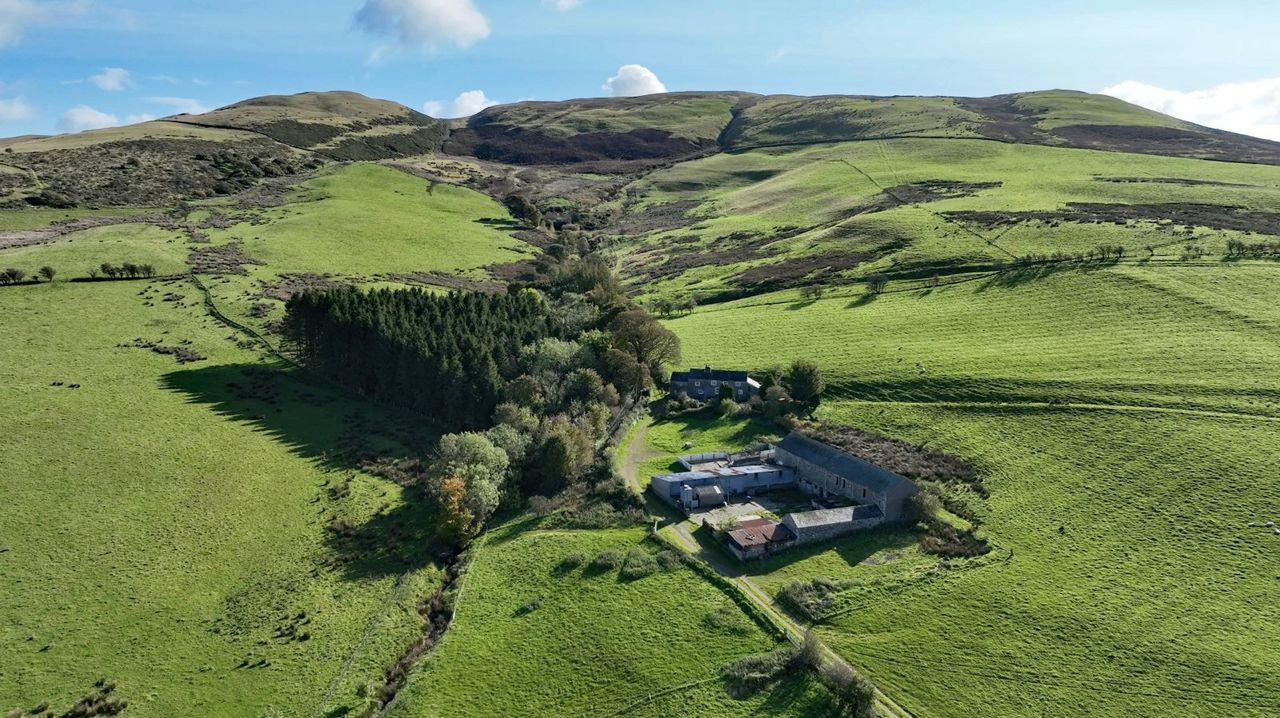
538 637
165 524
1122 419
753 221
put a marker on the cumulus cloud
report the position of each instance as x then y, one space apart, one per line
181 104
464 105
427 24
632 80
562 5
112 79
84 117
16 110
1251 108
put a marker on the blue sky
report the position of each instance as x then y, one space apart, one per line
73 64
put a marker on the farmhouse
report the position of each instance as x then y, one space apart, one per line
704 384
820 471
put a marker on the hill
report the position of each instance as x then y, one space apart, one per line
1070 293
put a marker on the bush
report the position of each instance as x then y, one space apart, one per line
670 560
570 562
808 598
728 407
639 563
854 695
728 619
747 676
608 560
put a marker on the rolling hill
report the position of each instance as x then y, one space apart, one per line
1072 293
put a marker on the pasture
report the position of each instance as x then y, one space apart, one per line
167 525
537 635
1124 422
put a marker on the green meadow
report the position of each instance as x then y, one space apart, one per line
1123 420
536 636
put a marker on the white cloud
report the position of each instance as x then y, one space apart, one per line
1251 108
464 105
112 79
427 24
562 5
778 54
84 117
181 104
140 117
16 110
633 80
16 16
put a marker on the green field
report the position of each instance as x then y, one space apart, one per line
163 527
367 219
596 644
1123 419
808 201
74 254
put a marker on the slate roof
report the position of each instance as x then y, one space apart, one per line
708 374
827 517
858 471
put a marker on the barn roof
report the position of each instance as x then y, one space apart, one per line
709 374
858 471
828 517
758 532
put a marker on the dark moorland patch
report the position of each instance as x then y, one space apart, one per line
923 192
290 283
789 272
658 218
733 249
223 259
1211 216
447 281
915 461
1186 182
1151 140
520 146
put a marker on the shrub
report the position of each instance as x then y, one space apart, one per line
670 560
854 695
808 598
747 676
876 283
608 560
947 541
570 562
728 407
639 563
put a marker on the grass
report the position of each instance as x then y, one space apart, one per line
74 254
161 529
368 219
593 643
1124 421
820 189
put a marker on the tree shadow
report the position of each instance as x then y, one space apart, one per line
319 423
1018 276
862 300
501 223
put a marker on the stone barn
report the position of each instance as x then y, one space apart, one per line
813 526
823 470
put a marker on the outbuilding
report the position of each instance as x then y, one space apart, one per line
823 470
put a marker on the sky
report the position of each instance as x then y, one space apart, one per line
71 65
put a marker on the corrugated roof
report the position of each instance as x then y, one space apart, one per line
758 532
709 374
827 517
858 471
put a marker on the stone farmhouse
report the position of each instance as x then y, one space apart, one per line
704 384
797 462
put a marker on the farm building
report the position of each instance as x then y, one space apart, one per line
813 526
733 480
704 384
824 470
756 538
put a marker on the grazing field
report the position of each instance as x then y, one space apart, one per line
76 253
1124 421
366 219
534 636
166 524
790 216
